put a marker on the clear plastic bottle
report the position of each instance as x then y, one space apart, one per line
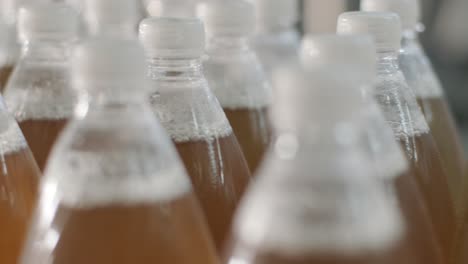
316 198
277 39
353 58
190 112
112 17
115 191
39 93
236 76
422 79
19 177
404 115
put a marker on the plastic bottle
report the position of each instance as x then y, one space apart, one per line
353 58
316 198
422 79
236 76
39 93
277 39
193 117
115 190
404 115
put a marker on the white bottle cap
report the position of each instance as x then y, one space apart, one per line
110 63
384 27
351 54
44 20
409 10
312 95
173 37
112 17
227 17
276 14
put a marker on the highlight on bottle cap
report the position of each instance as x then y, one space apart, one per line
109 62
111 17
384 27
344 54
227 18
408 10
54 20
172 37
276 13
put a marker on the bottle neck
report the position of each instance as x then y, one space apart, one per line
387 62
175 69
47 50
228 44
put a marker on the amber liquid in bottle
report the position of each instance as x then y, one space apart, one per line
19 178
253 131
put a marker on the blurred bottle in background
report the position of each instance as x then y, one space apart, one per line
277 38
311 182
39 93
352 58
115 190
112 17
422 79
193 117
236 76
404 115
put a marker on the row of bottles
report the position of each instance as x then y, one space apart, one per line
148 135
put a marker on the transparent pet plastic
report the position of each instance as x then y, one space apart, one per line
404 115
19 177
423 81
193 117
352 58
115 190
316 199
39 93
236 77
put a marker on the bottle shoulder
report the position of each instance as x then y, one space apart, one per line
189 112
115 157
40 91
